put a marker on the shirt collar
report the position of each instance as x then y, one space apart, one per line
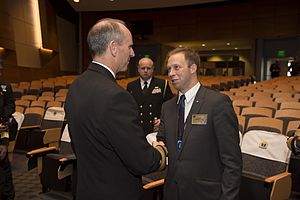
106 67
190 94
148 81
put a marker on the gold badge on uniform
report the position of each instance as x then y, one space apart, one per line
156 90
199 119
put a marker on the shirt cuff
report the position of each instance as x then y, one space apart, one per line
297 149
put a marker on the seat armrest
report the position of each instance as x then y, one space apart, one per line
154 184
68 159
30 127
41 151
277 176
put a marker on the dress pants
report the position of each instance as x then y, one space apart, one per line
7 191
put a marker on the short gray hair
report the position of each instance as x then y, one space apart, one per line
103 32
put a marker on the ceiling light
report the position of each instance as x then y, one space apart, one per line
213 49
76 1
111 0
228 43
235 48
180 45
203 45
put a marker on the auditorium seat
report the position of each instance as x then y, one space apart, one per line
265 161
49 132
55 165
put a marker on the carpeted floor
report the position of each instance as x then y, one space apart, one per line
28 187
27 183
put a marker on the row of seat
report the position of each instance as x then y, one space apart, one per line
37 87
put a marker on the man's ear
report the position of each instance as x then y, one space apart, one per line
193 68
113 48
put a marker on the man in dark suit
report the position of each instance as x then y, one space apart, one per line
111 150
200 130
149 93
7 108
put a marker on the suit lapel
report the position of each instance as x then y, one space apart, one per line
197 104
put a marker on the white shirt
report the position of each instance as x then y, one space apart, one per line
105 68
189 99
142 82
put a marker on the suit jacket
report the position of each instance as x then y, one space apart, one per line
112 152
150 102
7 102
7 106
209 164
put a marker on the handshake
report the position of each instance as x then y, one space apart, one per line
160 146
293 142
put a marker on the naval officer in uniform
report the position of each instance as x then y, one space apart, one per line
149 93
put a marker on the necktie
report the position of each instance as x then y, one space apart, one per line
180 121
145 87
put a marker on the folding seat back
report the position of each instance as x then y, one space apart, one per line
23 103
242 104
19 117
286 116
33 117
282 94
20 109
46 98
51 128
38 104
265 124
267 103
292 127
285 99
54 104
250 112
265 162
48 93
290 105
262 95
29 97
54 118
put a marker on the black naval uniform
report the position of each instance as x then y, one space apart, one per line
150 101
7 108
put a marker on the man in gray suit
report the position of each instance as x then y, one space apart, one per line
201 134
111 149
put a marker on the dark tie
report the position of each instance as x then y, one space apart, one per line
145 87
180 121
